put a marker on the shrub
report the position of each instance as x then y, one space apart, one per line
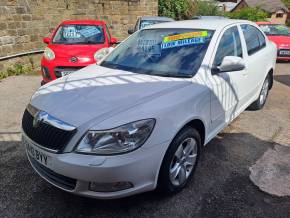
17 69
253 14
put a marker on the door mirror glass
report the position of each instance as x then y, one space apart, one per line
130 31
46 40
231 63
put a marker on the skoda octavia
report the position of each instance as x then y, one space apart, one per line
137 121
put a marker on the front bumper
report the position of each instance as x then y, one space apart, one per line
76 171
53 67
283 58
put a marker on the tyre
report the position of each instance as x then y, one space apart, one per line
180 161
260 102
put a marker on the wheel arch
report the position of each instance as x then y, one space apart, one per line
199 126
195 123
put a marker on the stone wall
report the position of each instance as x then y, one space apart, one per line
23 23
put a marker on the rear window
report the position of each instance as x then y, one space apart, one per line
79 34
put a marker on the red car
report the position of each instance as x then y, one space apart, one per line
72 46
280 35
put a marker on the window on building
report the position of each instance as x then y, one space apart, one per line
279 15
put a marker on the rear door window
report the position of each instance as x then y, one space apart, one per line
255 40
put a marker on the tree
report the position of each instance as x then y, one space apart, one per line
287 3
206 8
177 9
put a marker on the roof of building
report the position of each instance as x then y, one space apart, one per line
228 6
267 5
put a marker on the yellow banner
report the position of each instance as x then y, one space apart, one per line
185 36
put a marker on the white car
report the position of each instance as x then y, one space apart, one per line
137 121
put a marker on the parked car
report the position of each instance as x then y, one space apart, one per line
72 46
146 21
280 35
137 121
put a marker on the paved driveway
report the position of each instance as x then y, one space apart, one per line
220 188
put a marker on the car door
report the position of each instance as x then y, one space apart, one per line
257 58
228 92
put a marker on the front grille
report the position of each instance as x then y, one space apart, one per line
55 178
284 53
58 70
45 135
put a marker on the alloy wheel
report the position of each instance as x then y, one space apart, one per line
183 162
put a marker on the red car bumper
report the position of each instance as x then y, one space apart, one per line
54 69
283 58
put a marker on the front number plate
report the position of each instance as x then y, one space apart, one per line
65 73
285 52
37 154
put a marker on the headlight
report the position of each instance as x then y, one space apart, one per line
100 54
116 141
48 54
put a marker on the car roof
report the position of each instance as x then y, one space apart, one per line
157 18
92 22
209 24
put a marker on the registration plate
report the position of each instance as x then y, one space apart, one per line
65 73
285 52
36 153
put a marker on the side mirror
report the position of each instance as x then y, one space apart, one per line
230 64
46 40
131 31
113 41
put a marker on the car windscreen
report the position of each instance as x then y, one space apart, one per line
146 23
79 34
162 52
275 29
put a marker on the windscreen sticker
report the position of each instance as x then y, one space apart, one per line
185 36
89 31
148 46
70 32
184 42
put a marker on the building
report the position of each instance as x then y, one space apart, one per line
276 8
